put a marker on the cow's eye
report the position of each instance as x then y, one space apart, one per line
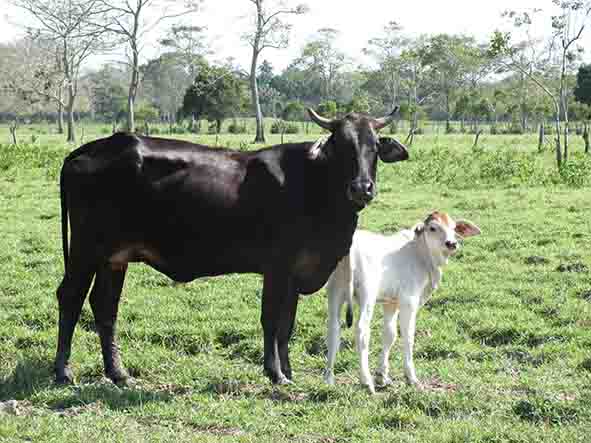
432 229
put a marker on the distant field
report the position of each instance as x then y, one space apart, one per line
504 345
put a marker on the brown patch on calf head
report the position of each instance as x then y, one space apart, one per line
442 217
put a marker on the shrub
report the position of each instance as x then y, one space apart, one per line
280 126
236 128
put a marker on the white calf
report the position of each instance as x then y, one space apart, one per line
399 272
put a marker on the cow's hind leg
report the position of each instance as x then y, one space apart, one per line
286 323
275 291
71 294
104 300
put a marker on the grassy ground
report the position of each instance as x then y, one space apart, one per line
503 346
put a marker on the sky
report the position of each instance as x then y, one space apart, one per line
357 21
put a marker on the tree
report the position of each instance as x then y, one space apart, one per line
269 31
216 93
107 95
386 50
322 57
454 59
582 95
567 28
582 90
190 45
68 30
293 111
165 80
129 22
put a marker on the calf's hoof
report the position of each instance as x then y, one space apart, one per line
370 388
383 380
64 376
329 378
283 380
415 383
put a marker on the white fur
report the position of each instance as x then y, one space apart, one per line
399 272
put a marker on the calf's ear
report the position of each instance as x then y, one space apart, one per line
464 228
391 150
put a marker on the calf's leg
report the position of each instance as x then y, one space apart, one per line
408 318
388 338
363 335
333 337
104 300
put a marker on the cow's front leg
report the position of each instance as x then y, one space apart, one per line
276 290
286 323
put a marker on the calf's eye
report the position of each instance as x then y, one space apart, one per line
432 229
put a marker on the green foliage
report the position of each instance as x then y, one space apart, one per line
293 111
237 128
327 109
145 112
216 93
582 90
280 126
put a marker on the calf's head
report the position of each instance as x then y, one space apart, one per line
354 148
441 233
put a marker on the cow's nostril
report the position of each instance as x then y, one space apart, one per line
451 244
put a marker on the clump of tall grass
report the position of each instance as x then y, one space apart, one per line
505 167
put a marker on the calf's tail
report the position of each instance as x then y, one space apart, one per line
349 315
348 276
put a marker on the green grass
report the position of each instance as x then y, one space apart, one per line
503 346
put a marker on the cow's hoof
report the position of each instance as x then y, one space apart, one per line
122 379
64 376
127 382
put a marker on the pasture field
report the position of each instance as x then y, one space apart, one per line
503 347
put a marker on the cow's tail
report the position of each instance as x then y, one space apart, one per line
64 205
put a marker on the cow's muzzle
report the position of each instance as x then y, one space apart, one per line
361 192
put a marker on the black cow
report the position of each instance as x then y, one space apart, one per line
287 212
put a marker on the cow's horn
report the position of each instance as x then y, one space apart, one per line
321 121
379 123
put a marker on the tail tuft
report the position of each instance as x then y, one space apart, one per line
349 316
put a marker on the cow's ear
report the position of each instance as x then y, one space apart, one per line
391 150
464 228
320 149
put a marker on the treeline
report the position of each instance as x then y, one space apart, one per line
517 79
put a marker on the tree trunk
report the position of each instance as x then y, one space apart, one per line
565 151
475 145
71 137
447 115
12 128
586 136
541 138
133 85
558 144
260 132
60 118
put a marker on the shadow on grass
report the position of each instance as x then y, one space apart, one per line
35 374
30 375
